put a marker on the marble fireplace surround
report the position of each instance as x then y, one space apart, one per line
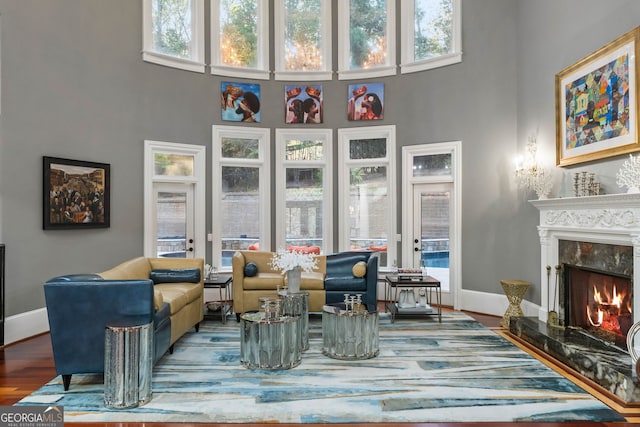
612 219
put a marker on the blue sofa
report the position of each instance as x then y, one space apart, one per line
79 306
339 278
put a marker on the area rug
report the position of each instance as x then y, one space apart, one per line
426 371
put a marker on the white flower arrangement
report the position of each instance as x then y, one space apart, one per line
629 174
285 261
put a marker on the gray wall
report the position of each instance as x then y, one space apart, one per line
74 86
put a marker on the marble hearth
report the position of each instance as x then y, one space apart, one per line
610 223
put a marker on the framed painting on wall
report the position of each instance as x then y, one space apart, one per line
366 102
240 102
303 104
75 194
597 103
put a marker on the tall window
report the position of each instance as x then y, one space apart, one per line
367 29
241 192
173 33
240 38
430 34
303 39
366 179
304 189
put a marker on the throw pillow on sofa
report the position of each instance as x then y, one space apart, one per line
175 275
359 269
250 269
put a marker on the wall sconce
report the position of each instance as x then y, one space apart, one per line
530 174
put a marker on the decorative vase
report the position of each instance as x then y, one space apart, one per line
293 279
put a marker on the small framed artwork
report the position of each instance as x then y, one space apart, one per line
75 194
366 102
240 102
303 104
597 103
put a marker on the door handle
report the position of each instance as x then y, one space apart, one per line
416 249
190 249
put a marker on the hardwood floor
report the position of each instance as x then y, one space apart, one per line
26 365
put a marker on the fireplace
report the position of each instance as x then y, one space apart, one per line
593 245
598 302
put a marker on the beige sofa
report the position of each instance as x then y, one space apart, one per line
186 300
247 290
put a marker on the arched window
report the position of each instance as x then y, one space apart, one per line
240 38
431 34
173 33
303 40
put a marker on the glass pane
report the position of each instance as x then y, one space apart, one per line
303 35
240 148
368 33
238 36
171 223
369 210
173 164
368 148
304 150
433 28
432 165
172 32
241 210
304 210
434 235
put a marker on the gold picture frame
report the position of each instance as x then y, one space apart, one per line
597 103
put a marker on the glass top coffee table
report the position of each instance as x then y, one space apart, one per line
349 333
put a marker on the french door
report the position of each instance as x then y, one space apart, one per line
174 220
431 230
431 223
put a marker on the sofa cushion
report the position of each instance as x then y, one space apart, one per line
261 280
345 283
175 275
311 280
251 269
178 295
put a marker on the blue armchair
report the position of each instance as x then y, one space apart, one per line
80 306
340 279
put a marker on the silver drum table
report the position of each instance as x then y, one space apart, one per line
349 335
273 344
297 304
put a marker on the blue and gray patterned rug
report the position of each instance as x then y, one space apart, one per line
425 372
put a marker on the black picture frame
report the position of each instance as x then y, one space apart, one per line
75 194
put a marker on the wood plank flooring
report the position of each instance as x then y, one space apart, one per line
27 365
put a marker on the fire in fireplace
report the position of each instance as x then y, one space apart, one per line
599 302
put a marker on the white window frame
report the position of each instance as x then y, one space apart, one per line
344 165
408 180
281 164
409 63
261 72
198 180
196 63
281 73
344 72
262 163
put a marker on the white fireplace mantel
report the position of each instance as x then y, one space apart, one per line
611 219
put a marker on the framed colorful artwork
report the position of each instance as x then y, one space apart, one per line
240 102
366 102
75 194
597 103
303 104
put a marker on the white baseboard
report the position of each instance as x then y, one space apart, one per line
25 325
28 324
493 304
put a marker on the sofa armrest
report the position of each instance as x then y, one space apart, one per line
238 262
78 312
371 299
